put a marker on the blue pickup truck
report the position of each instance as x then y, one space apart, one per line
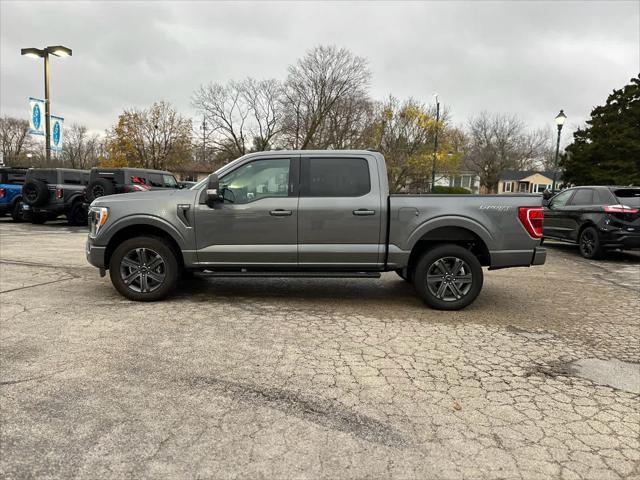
11 180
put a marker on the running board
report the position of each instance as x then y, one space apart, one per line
209 273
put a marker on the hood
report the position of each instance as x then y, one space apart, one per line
150 196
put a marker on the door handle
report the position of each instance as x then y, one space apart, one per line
280 213
361 212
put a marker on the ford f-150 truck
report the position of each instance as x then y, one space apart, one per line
311 213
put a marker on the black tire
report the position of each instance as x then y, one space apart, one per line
130 273
16 211
448 277
35 192
589 243
77 216
401 274
100 187
39 218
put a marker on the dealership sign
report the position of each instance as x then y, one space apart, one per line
56 133
36 116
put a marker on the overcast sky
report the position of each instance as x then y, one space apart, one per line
526 58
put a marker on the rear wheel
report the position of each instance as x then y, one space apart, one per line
144 269
100 188
589 243
77 216
448 277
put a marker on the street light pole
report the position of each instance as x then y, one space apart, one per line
560 118
58 51
47 109
435 145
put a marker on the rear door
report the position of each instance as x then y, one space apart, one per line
340 212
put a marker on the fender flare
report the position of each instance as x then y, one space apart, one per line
450 221
144 220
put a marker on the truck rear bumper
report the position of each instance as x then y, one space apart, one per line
517 258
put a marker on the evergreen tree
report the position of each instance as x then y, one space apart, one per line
607 151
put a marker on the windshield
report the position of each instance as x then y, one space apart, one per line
628 196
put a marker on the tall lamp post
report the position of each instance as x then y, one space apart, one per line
435 145
58 51
560 118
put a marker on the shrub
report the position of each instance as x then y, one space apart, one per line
454 190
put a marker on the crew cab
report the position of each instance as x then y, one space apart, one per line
311 213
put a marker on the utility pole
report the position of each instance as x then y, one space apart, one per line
435 145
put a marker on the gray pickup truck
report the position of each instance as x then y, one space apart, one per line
311 214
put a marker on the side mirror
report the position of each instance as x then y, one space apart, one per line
213 190
545 202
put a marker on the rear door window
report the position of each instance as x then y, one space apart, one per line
72 178
628 196
335 177
584 196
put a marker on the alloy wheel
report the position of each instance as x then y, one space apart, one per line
143 270
449 279
588 242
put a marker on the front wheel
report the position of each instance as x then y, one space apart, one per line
448 277
77 216
16 211
144 269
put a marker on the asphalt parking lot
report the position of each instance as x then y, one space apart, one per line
315 378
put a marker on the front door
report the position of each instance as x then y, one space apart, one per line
256 225
557 221
340 211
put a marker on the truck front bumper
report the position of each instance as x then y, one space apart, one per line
95 254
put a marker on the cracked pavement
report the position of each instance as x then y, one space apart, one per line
314 378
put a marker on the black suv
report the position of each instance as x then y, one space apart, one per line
50 192
596 218
107 181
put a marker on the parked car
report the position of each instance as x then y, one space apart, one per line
597 218
109 181
50 192
312 214
11 180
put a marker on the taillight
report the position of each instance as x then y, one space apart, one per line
3 192
619 209
532 219
59 193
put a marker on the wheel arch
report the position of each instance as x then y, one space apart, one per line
457 235
142 229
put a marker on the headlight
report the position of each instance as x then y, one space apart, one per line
97 218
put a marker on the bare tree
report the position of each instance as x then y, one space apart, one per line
14 140
314 87
499 142
241 116
81 150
